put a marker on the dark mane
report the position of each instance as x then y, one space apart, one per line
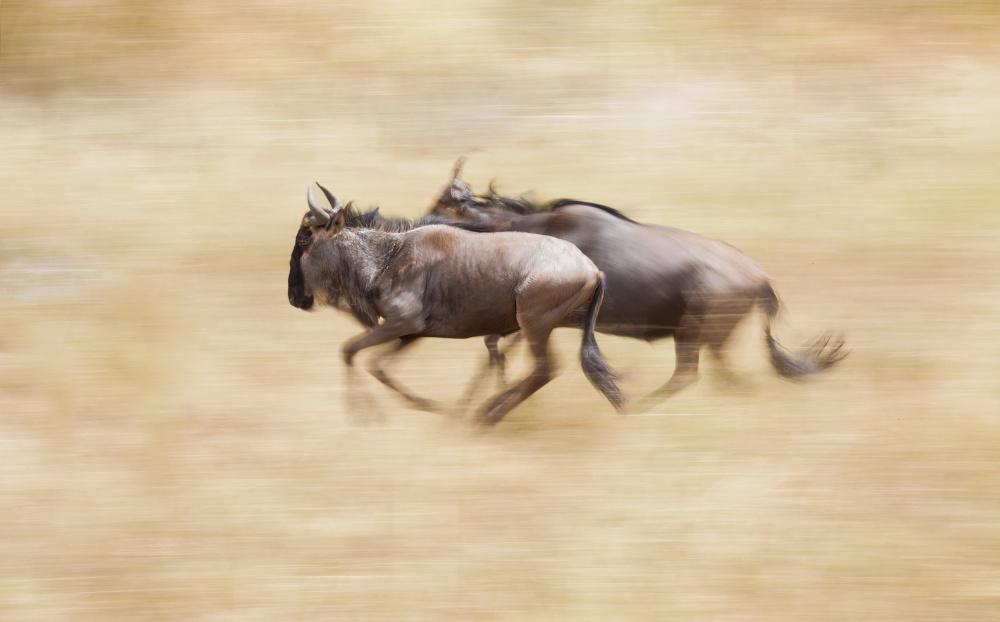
523 205
372 219
493 200
564 202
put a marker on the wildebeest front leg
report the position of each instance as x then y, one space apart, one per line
383 333
375 368
387 331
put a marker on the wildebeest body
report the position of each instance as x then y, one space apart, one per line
656 275
441 281
465 288
661 281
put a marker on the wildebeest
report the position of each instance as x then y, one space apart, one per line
661 281
442 281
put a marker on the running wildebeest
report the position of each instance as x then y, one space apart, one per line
442 281
661 282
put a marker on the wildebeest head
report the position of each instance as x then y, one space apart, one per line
455 196
478 212
316 222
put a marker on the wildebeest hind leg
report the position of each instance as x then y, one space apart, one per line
687 348
497 359
537 316
376 369
502 404
717 331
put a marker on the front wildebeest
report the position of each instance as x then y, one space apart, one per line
441 281
661 281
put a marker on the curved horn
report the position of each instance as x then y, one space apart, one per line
334 201
458 168
319 215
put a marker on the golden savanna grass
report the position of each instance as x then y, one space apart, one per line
175 442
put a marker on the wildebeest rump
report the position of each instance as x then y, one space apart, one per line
661 281
441 281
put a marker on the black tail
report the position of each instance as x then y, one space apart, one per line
593 364
816 357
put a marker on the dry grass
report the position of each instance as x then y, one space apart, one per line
174 443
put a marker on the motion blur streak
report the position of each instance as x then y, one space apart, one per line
173 441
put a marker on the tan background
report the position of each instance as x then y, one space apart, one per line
173 440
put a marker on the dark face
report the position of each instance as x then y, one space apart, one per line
297 294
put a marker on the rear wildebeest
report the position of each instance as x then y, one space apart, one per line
441 281
661 281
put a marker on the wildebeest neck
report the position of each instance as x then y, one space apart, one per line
348 266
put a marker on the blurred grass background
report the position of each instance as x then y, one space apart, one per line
174 443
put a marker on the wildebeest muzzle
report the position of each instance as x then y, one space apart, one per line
297 295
